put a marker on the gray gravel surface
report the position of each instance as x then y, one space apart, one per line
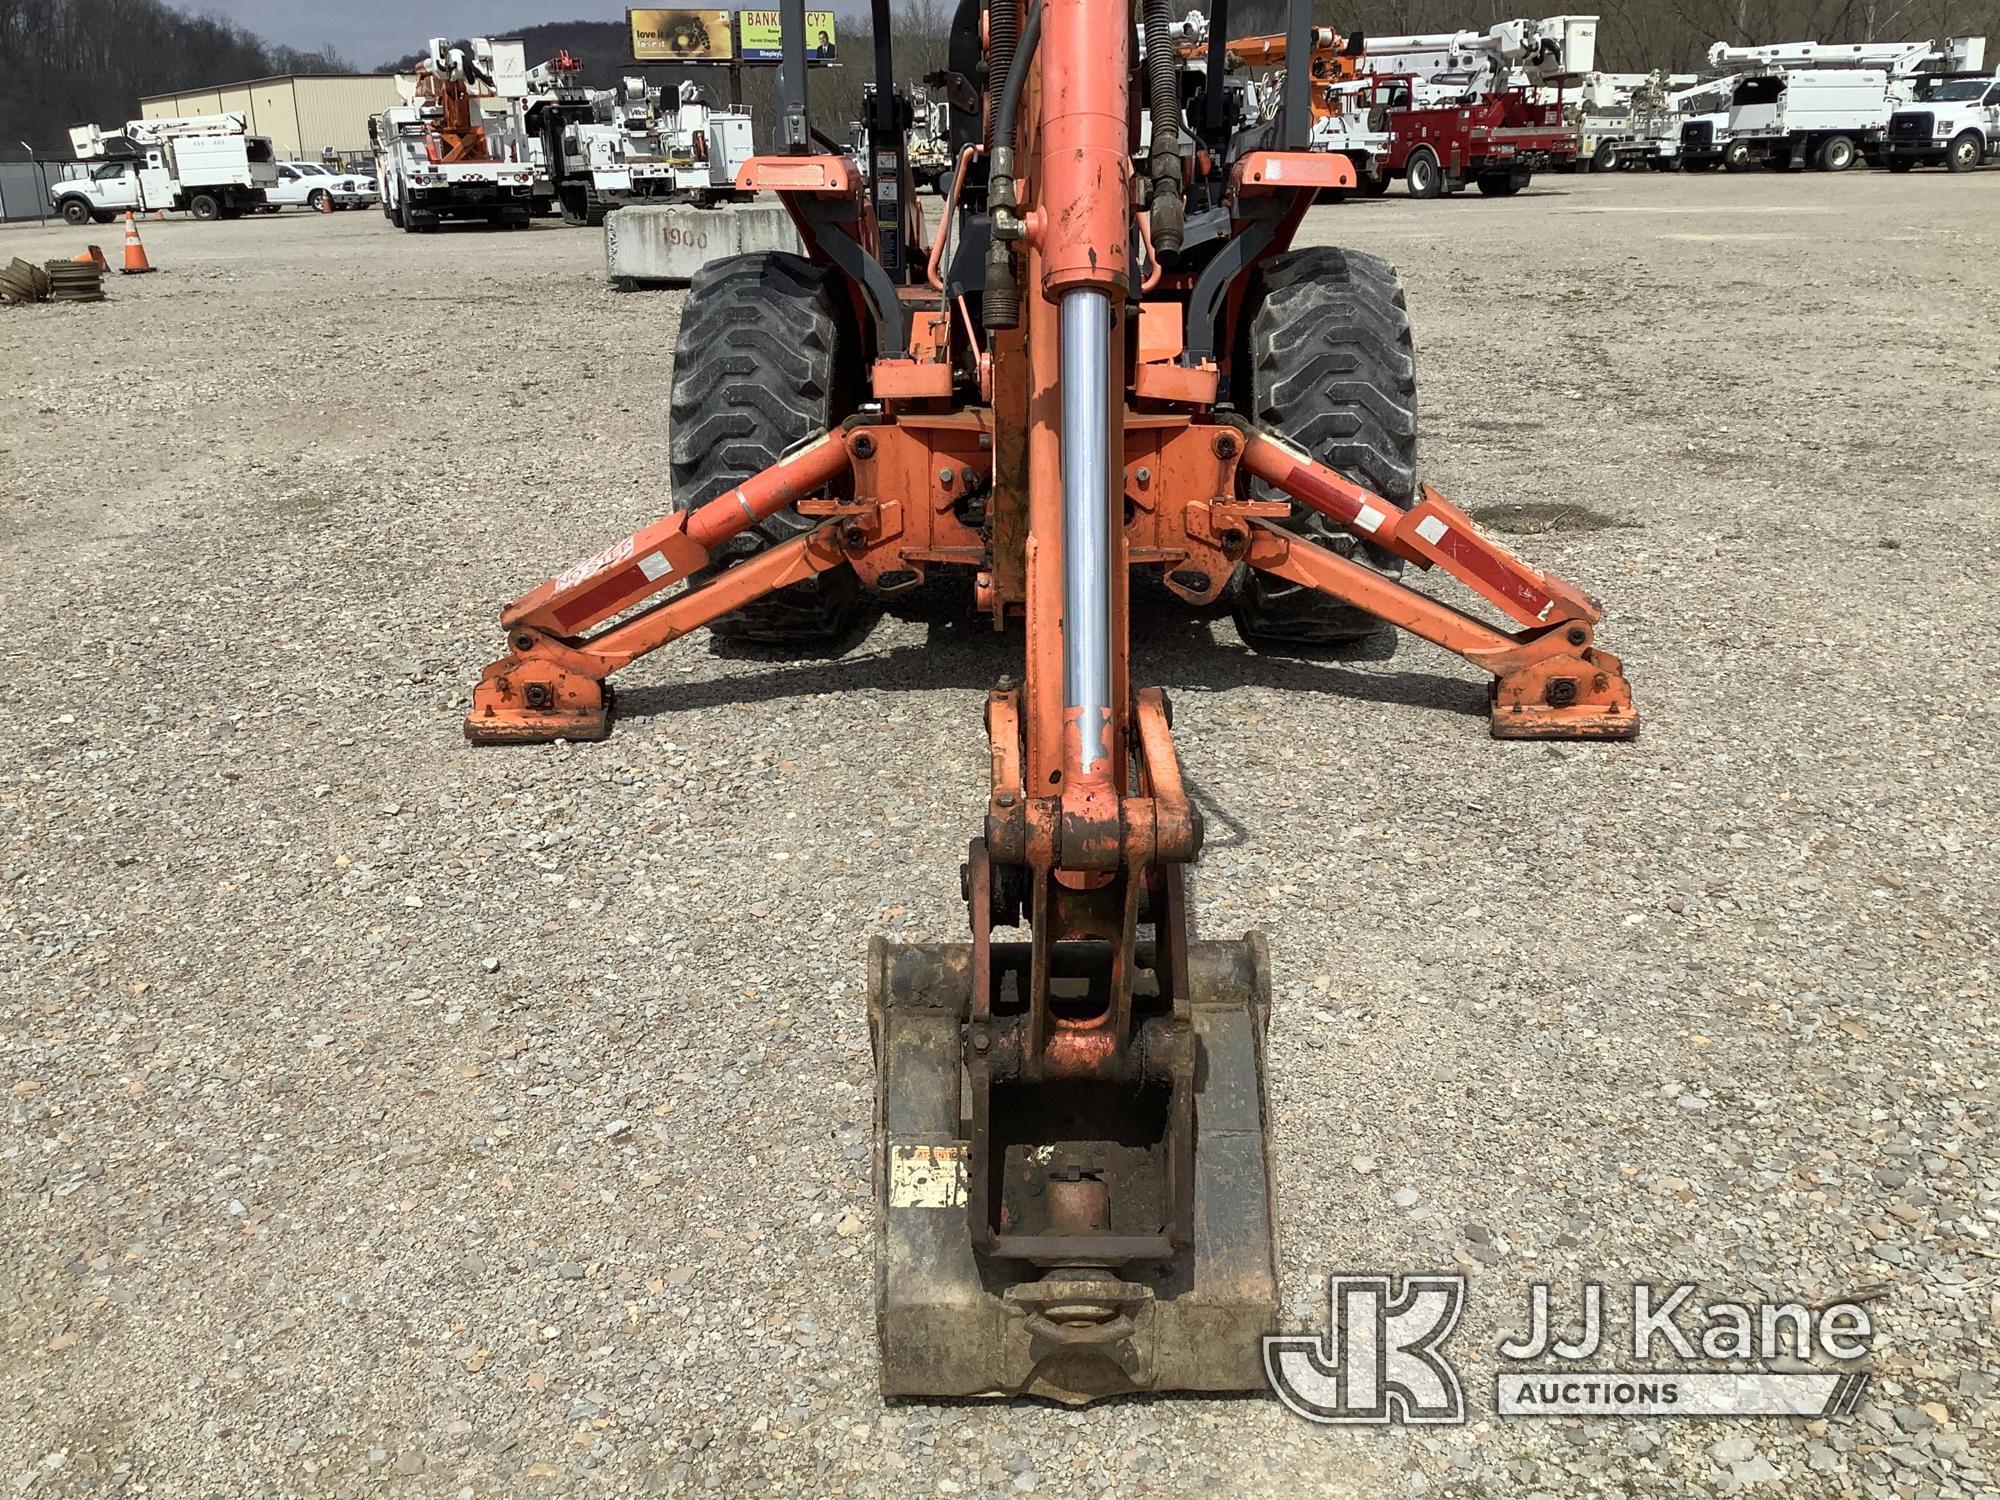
392 1117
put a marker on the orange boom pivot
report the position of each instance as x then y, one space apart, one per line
1111 359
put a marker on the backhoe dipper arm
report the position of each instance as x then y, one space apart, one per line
1550 682
550 685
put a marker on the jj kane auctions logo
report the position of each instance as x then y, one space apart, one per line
1382 1357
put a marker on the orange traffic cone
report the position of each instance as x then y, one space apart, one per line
95 257
136 263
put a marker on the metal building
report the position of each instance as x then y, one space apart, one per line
306 116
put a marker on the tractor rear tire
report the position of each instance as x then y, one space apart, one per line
1332 369
757 369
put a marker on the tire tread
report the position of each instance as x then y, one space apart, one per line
754 374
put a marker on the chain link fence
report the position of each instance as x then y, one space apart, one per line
25 183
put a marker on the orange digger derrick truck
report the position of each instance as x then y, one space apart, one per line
1103 364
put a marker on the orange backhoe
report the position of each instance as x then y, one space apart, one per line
1112 358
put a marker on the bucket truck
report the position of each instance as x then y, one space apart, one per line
1459 106
606 147
1952 119
208 165
1620 116
1816 104
441 154
1662 107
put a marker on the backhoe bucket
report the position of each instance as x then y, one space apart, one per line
954 1322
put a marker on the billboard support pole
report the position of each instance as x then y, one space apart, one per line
793 132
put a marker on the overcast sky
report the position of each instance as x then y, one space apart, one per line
371 32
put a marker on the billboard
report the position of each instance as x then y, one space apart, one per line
760 36
680 36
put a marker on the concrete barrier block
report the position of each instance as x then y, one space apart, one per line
648 243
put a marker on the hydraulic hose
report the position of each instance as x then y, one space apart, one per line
1001 301
1163 99
1008 100
1003 29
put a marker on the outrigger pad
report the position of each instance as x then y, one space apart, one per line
954 1324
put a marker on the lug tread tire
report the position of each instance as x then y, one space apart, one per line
1332 369
754 373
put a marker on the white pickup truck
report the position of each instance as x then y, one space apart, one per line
208 165
307 184
1955 121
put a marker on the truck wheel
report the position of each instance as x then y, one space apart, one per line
1504 184
1965 153
1422 175
1736 156
320 201
757 369
1605 157
205 207
76 212
1332 370
1837 154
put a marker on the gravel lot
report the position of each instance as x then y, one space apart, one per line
393 1117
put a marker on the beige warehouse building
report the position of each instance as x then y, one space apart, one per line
305 116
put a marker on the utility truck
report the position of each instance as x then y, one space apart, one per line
606 147
1631 120
1661 110
208 165
1815 104
1953 120
441 155
1461 106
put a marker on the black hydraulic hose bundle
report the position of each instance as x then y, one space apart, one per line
1163 99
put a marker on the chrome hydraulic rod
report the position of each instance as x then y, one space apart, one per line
1086 507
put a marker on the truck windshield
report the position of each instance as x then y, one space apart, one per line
1955 90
